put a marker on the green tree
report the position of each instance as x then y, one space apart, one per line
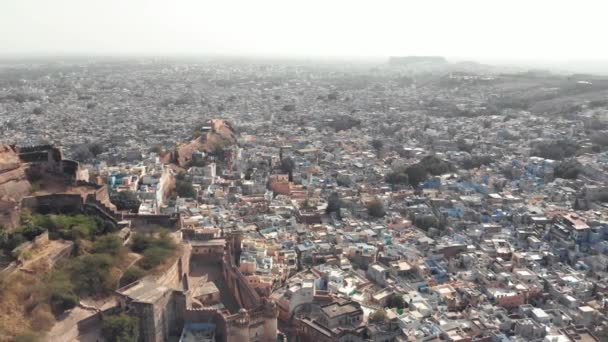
416 174
96 149
333 203
426 222
125 200
397 177
61 292
375 208
377 145
184 189
91 274
396 301
108 244
132 274
154 256
378 316
287 166
120 328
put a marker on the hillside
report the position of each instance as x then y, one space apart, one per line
13 185
217 135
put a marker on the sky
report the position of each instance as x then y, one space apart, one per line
469 29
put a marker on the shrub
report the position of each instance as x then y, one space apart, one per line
120 328
154 256
125 200
108 244
375 208
184 189
91 274
132 274
378 316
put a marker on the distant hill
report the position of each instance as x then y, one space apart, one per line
407 60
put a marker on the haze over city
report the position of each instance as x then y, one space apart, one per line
534 32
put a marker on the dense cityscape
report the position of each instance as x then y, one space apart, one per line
409 199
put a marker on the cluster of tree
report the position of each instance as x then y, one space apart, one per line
418 173
125 200
334 204
84 152
288 166
377 145
506 102
20 97
120 328
477 161
396 301
156 249
599 140
67 227
435 166
462 145
289 108
598 103
426 222
184 188
568 169
556 150
344 122
375 208
378 316
93 273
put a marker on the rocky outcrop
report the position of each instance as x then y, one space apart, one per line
219 135
14 185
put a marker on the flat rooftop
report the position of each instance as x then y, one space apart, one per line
145 291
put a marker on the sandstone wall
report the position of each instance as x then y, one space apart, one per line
13 186
13 181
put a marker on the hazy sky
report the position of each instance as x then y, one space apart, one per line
483 29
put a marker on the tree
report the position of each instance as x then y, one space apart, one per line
154 256
375 208
435 166
333 204
378 316
397 177
556 150
91 274
289 107
462 145
108 244
96 149
568 169
37 111
396 301
156 149
132 274
82 153
61 290
287 166
416 174
184 189
377 145
125 200
426 222
120 328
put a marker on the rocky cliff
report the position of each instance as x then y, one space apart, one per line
220 135
14 185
